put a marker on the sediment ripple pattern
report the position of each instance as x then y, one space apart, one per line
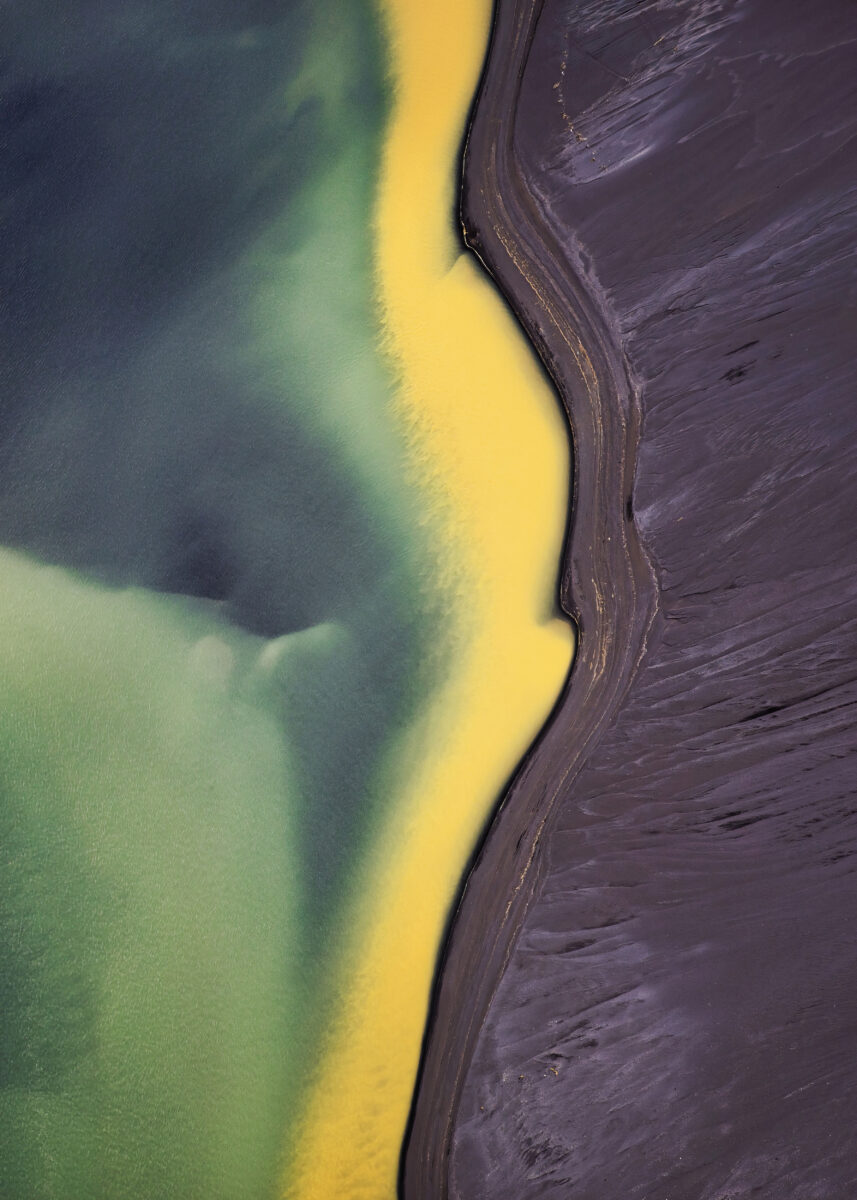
677 1015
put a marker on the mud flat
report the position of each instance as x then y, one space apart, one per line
648 987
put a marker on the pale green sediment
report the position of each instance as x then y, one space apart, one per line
186 802
149 888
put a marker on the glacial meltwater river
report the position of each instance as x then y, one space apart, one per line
282 494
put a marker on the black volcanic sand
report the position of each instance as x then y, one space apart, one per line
669 1008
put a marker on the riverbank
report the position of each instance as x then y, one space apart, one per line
674 1017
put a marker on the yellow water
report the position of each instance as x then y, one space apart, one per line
489 452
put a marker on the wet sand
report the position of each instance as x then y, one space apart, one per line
648 989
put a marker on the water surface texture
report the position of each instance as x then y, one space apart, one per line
489 449
216 596
282 492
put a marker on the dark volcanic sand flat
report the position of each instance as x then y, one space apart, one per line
677 1019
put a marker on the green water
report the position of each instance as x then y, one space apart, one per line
216 608
150 877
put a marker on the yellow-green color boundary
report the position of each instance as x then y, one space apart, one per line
489 453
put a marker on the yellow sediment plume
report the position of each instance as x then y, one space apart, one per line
490 456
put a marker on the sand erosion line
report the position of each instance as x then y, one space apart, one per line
607 586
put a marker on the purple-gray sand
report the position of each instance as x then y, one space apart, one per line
650 987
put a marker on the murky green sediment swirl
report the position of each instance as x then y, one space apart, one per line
209 613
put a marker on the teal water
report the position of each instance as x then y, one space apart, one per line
215 608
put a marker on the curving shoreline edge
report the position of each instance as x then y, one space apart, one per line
607 585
